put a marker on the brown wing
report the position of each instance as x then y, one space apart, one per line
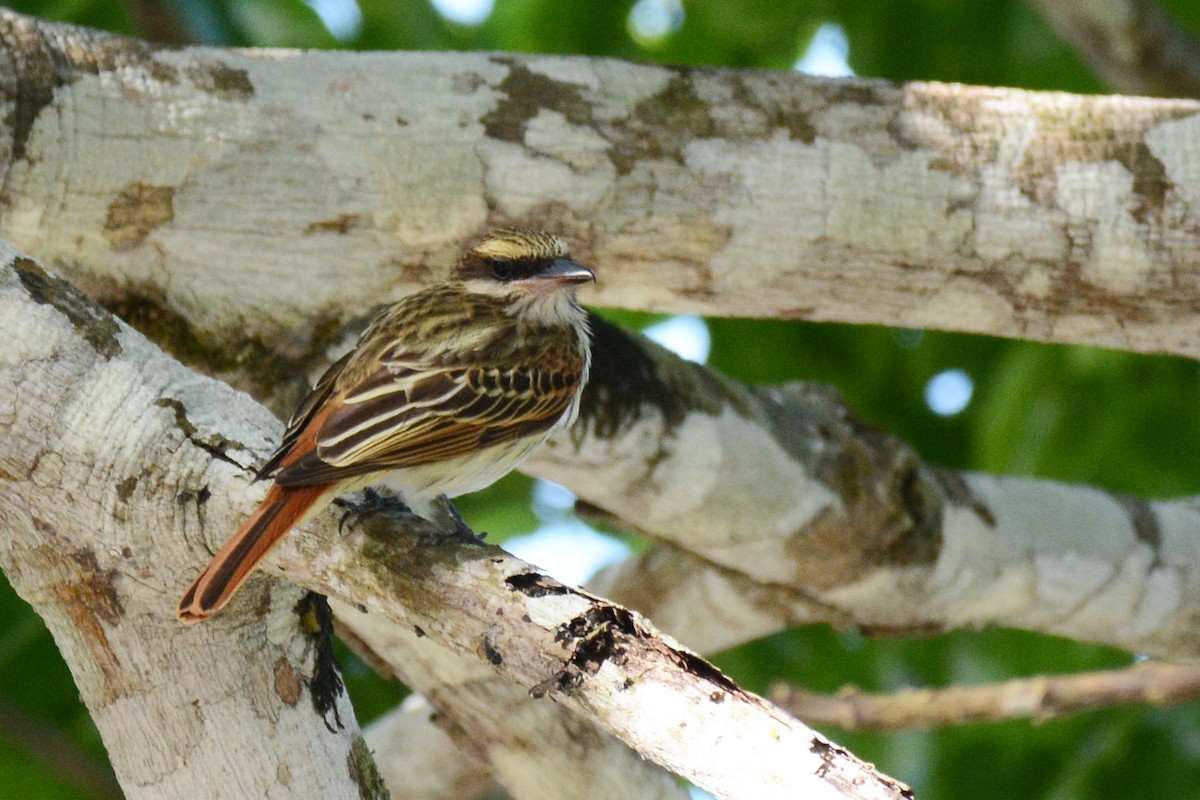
406 414
304 414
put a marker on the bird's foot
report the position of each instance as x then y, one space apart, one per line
372 503
453 529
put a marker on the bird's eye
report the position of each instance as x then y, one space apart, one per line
502 270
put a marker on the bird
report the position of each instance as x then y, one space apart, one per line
445 392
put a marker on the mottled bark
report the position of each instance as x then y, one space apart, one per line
780 506
248 205
110 454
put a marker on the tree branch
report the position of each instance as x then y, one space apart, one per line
728 192
783 507
763 194
424 756
531 747
1132 44
106 468
1040 698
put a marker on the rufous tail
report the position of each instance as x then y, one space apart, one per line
281 510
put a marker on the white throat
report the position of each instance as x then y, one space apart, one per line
549 308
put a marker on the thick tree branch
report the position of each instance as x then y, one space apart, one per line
423 756
1041 698
106 467
789 508
101 428
458 612
1132 44
248 205
531 747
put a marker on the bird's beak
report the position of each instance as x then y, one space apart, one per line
564 271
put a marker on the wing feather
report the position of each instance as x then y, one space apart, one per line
404 416
304 414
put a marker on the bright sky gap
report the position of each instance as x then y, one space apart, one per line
464 12
949 392
827 53
342 18
652 21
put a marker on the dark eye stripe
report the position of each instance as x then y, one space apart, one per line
502 270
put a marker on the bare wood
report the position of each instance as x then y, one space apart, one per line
144 173
1039 698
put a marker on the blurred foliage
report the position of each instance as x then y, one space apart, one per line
1070 413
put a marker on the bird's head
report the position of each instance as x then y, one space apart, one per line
519 263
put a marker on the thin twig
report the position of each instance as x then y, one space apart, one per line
1039 698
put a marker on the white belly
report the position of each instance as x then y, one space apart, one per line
420 486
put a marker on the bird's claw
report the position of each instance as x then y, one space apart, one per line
372 503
